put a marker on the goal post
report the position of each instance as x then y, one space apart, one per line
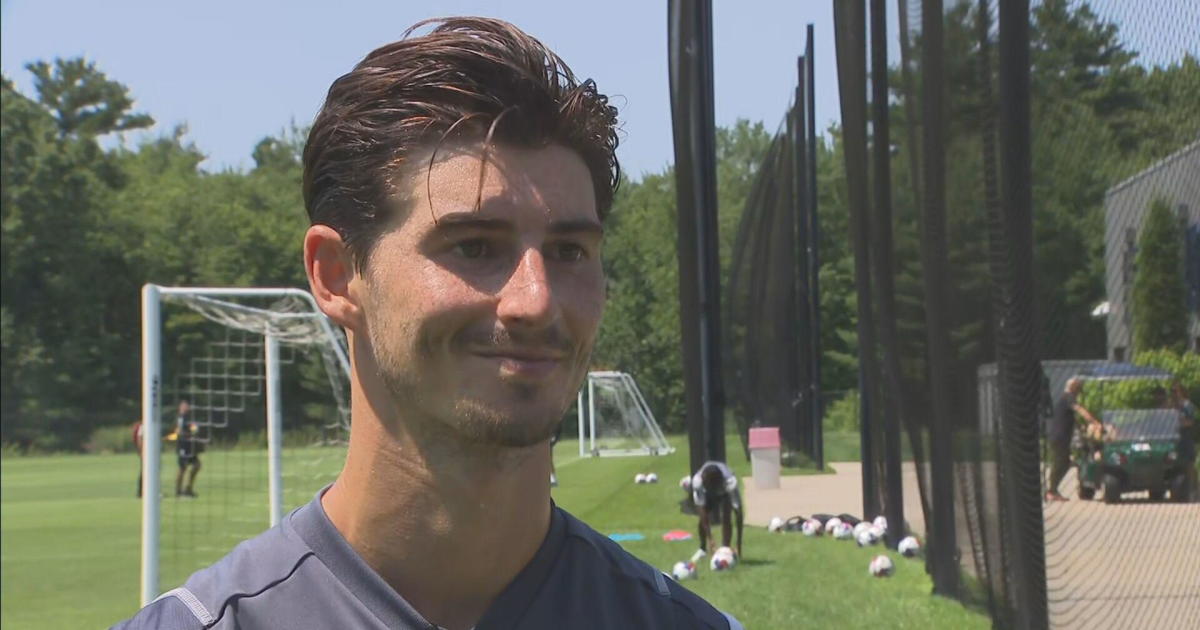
290 317
614 418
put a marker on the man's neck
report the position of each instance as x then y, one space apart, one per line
448 526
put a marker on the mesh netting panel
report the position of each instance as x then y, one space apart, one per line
623 422
213 357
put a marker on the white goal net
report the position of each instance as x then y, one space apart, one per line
266 380
614 418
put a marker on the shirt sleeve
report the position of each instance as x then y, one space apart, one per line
167 613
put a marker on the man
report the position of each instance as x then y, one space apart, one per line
188 447
1060 432
456 183
715 487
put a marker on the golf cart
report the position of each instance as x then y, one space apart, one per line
1138 447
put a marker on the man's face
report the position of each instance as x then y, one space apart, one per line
184 408
483 320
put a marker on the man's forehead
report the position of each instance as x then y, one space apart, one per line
513 184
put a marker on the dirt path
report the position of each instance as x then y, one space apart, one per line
1133 565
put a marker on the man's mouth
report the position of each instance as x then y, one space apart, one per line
525 362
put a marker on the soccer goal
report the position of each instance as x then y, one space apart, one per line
614 418
251 363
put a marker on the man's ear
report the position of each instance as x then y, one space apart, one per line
331 273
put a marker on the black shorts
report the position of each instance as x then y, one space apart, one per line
188 460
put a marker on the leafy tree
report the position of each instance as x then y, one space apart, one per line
83 100
1159 306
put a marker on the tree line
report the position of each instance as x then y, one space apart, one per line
84 226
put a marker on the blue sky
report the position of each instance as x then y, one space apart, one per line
235 72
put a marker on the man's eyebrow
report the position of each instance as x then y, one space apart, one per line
576 226
459 220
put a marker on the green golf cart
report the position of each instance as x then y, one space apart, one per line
1139 448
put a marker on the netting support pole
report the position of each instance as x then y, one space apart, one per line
151 439
274 428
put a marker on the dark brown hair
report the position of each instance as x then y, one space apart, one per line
467 76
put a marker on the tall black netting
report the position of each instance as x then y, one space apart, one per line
1115 102
772 296
1023 193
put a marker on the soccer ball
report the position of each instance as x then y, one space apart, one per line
909 547
776 525
832 524
723 559
686 483
861 527
878 532
881 566
651 477
639 478
683 571
867 537
843 531
811 527
881 522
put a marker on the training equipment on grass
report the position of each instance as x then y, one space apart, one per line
686 483
614 418
811 527
867 537
676 535
843 531
861 527
651 477
776 525
639 478
909 547
880 522
232 353
723 559
684 571
881 566
832 524
878 532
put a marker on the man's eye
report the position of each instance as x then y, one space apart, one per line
569 252
474 248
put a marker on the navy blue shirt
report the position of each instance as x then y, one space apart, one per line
303 574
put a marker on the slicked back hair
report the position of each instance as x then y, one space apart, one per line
468 78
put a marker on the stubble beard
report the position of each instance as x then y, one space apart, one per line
466 420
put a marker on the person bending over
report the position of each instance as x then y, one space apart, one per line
715 487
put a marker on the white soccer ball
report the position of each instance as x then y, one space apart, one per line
723 559
776 525
881 522
861 527
867 537
686 483
881 566
639 478
811 527
651 477
878 531
843 531
909 547
683 571
832 524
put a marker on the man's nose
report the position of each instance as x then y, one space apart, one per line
527 299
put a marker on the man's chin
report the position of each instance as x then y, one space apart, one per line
478 422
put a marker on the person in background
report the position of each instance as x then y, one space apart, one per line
188 447
1187 435
1061 430
715 487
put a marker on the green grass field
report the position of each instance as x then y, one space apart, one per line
69 532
